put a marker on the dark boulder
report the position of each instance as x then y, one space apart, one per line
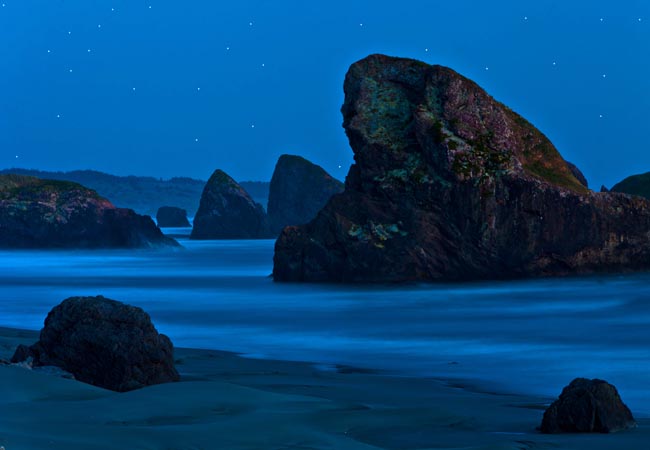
228 212
449 184
577 173
587 406
37 213
171 216
299 189
104 343
603 188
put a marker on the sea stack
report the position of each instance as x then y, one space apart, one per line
299 189
171 216
450 184
36 213
228 212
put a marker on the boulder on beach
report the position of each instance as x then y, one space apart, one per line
299 189
587 406
36 213
103 342
171 216
228 212
449 185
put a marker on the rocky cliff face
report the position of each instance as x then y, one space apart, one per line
37 213
228 212
450 184
299 189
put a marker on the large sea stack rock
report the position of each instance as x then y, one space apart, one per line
104 343
171 216
450 184
37 213
299 189
587 406
228 212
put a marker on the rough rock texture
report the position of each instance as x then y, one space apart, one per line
228 212
171 216
587 406
104 343
603 188
299 189
449 184
577 173
634 185
37 213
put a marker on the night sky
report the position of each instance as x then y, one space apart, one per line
170 88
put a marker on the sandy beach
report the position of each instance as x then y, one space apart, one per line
225 401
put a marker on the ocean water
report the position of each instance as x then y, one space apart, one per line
519 336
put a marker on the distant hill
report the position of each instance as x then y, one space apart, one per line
635 185
143 194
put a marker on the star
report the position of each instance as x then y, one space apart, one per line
602 20
198 89
640 19
426 49
196 140
113 9
99 26
253 126
525 17
149 6
554 63
600 116
16 155
360 24
604 75
69 32
487 68
339 166
250 24
58 116
49 51
263 65
70 70
89 50
133 89
227 48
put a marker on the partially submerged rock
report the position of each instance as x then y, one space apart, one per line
299 189
588 406
449 184
228 212
171 216
103 342
37 213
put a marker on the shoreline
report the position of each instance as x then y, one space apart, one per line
228 401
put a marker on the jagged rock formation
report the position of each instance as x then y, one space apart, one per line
171 216
228 212
105 343
634 185
37 213
299 189
450 184
577 173
587 406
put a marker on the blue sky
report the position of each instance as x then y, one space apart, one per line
168 88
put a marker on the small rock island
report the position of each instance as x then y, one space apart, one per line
450 184
299 189
36 213
228 212
171 216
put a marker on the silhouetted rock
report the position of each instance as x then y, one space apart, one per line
634 185
603 188
37 213
299 189
104 343
577 173
449 184
170 216
228 212
587 406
